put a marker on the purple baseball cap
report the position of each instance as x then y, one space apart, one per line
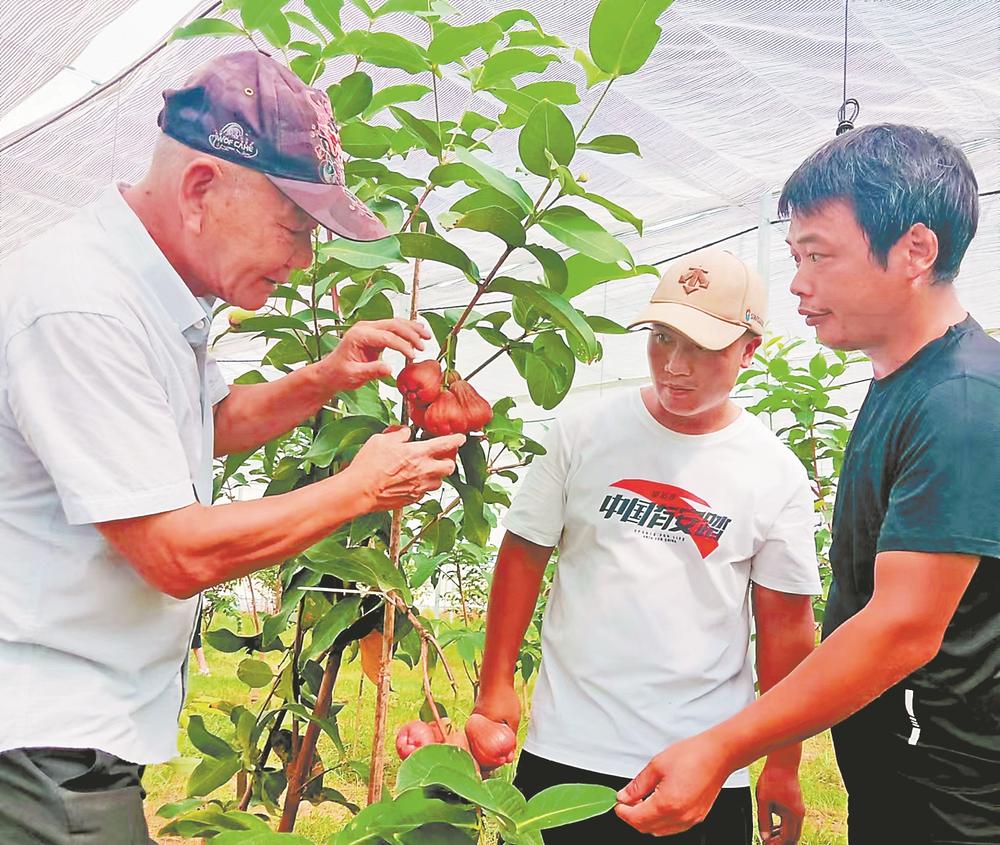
253 111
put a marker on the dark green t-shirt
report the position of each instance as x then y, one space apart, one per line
922 474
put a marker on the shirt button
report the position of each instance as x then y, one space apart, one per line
200 324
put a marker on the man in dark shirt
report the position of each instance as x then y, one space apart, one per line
909 670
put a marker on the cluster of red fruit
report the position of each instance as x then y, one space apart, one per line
441 404
491 744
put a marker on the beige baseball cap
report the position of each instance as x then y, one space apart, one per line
709 295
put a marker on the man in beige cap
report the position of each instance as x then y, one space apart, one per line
666 505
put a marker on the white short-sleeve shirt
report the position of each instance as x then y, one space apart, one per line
106 399
645 639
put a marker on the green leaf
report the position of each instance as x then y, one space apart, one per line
534 38
615 210
384 49
495 220
612 145
415 771
556 308
602 325
254 673
507 796
434 248
546 130
353 96
339 435
388 820
818 365
593 72
301 20
368 255
505 20
423 129
206 742
226 641
484 198
331 626
586 272
623 33
365 141
360 563
495 179
553 266
211 774
474 121
327 14
549 370
521 100
421 8
501 68
452 43
256 13
277 31
364 7
566 803
474 525
260 837
205 26
572 227
394 94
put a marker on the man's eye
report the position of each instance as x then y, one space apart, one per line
814 257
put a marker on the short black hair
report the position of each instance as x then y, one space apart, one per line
893 176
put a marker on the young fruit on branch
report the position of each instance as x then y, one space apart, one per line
458 410
420 383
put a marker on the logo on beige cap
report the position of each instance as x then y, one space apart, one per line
696 278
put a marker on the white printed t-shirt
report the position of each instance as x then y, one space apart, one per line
645 638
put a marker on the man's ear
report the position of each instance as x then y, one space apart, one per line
750 348
199 180
917 249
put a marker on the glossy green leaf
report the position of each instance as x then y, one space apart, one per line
362 564
205 741
365 141
602 325
260 837
572 227
549 370
521 100
556 308
415 770
586 272
428 9
615 210
364 6
337 620
391 819
452 43
612 145
553 266
496 179
205 26
327 14
495 220
593 72
623 33
368 255
484 198
565 804
353 95
505 20
395 94
504 65
424 130
338 435
546 130
254 673
302 21
277 30
256 13
385 49
434 248
534 38
474 525
213 773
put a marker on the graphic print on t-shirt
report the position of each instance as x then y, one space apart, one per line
666 513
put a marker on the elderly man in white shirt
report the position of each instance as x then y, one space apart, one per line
111 411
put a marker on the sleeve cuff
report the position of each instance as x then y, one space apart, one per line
107 508
795 588
530 533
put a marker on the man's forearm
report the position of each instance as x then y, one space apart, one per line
516 583
857 663
786 635
253 414
185 551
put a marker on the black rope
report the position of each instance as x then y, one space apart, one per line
845 123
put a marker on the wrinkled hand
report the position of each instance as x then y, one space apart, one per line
356 360
492 727
676 789
779 794
392 472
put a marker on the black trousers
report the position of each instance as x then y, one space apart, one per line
729 822
70 796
